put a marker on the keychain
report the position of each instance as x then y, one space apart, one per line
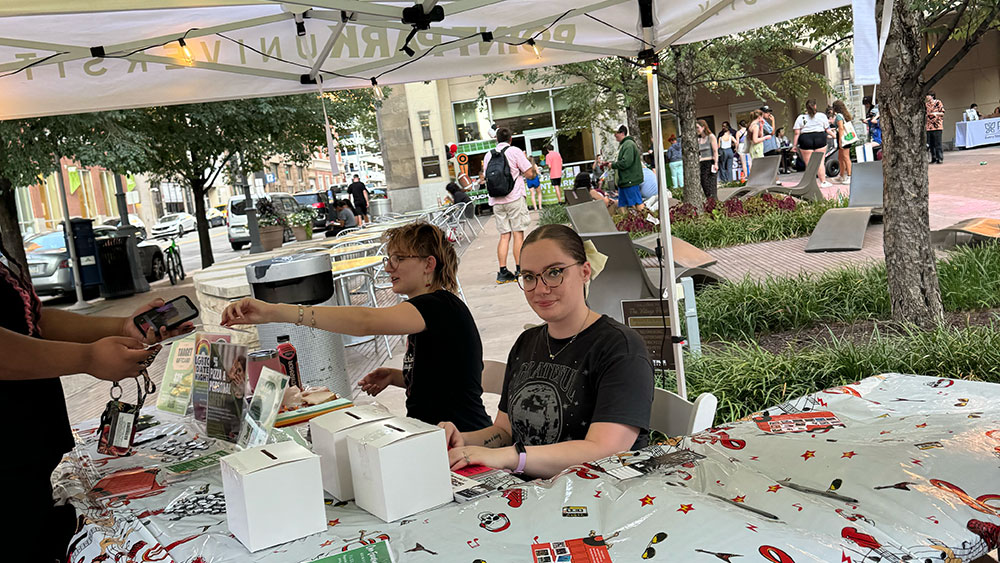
118 422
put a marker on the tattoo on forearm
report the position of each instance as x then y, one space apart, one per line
494 440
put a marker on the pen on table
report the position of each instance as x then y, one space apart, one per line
828 494
745 507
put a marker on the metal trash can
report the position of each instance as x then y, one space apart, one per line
302 279
379 207
86 250
116 269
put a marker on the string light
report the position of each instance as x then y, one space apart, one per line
534 48
378 90
187 52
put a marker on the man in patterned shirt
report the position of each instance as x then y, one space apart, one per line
935 126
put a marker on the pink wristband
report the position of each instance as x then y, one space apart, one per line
522 457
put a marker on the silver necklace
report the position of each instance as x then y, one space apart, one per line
548 345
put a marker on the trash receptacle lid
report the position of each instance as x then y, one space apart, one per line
288 267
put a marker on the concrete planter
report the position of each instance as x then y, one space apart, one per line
300 233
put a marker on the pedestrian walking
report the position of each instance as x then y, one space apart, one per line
675 160
845 138
708 156
628 169
727 153
935 127
505 184
811 134
554 161
359 193
767 122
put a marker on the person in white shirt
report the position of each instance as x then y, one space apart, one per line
972 114
812 129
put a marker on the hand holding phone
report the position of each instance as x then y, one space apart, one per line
168 317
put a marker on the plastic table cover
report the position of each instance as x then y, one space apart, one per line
892 468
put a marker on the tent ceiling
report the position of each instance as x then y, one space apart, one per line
250 48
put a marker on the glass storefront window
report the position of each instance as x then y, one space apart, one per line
470 121
523 112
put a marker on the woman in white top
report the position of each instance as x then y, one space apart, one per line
811 133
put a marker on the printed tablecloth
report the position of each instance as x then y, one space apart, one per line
892 468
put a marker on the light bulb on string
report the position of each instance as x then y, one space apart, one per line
534 48
378 90
188 57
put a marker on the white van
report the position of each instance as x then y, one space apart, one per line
239 232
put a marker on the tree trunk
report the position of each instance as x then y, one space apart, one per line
204 242
909 258
10 230
684 102
632 121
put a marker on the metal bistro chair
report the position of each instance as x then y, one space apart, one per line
347 231
459 220
470 212
366 288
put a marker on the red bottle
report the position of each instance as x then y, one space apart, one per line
289 361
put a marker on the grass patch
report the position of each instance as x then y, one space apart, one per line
553 215
717 230
746 378
969 280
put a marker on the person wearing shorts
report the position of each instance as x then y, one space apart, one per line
510 211
812 129
555 162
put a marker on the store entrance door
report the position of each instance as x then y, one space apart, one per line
535 141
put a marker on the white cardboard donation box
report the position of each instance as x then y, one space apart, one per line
329 438
399 467
274 494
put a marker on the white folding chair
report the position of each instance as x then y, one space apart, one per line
675 416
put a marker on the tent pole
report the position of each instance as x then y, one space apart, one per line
70 242
653 86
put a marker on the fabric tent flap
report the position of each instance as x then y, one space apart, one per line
248 49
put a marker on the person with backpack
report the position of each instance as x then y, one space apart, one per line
504 178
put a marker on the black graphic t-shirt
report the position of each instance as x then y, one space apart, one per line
603 376
357 191
40 401
443 366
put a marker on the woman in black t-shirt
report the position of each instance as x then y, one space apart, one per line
40 345
443 366
577 388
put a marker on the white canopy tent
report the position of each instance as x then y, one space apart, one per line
67 56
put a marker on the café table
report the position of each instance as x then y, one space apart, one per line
358 236
892 468
343 292
351 251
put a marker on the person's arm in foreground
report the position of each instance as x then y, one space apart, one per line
355 321
492 447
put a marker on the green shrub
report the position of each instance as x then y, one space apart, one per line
747 378
553 214
969 279
717 230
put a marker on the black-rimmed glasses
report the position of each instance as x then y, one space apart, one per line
552 277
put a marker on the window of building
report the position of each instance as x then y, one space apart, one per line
523 112
425 124
468 118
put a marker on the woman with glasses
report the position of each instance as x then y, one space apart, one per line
577 388
443 365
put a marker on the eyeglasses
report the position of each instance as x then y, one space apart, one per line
392 260
552 277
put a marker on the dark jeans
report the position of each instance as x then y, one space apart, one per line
726 165
934 143
41 531
709 180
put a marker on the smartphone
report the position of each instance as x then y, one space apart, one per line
170 315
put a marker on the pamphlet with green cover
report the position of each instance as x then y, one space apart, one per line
227 386
175 390
372 553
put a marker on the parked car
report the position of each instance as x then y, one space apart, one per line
214 217
320 201
150 253
133 220
239 232
49 260
174 224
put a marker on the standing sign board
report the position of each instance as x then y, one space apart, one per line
650 318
